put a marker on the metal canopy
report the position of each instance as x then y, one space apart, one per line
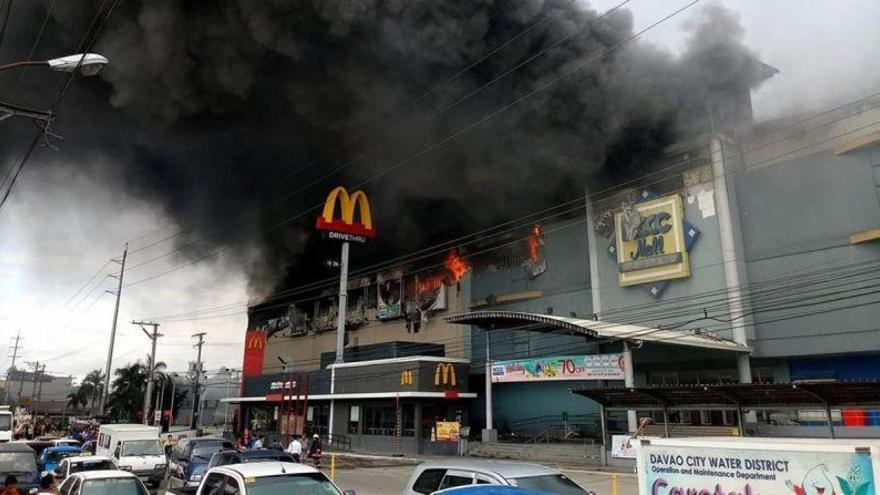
499 320
819 395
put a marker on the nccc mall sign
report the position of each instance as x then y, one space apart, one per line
652 246
345 228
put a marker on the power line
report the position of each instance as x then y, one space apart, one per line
408 258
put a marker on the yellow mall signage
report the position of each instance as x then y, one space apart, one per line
345 228
651 246
444 374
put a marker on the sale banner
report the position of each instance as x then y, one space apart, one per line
588 367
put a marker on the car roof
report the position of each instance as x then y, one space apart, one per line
87 458
259 469
15 447
208 439
64 448
502 468
249 454
104 474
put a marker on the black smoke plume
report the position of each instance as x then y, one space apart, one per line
218 109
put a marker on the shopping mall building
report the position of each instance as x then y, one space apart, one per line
738 260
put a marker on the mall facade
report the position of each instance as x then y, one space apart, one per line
742 257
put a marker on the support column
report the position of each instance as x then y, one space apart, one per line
735 301
489 433
340 334
632 421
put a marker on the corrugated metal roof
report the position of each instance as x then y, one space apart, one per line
602 330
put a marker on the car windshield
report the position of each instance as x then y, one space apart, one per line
550 483
113 486
142 447
54 457
306 484
5 422
78 467
206 450
17 462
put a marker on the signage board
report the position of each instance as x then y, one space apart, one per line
797 470
254 351
625 446
346 228
650 242
447 431
584 367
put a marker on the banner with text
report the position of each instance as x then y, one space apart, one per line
671 470
590 367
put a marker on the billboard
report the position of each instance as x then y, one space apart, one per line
650 242
801 470
390 295
254 350
589 367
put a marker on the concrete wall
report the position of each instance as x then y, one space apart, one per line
797 218
305 350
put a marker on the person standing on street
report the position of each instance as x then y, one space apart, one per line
258 443
10 487
315 450
295 448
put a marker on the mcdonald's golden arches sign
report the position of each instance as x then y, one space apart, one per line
346 227
444 375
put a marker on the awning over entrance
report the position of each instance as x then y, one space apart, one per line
818 395
597 329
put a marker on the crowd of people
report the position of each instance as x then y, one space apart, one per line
297 445
48 485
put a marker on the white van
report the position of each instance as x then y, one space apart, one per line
135 448
5 424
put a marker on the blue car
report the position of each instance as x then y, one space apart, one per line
51 456
189 459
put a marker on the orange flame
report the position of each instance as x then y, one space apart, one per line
428 284
456 267
535 242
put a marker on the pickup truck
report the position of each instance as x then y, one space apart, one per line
263 478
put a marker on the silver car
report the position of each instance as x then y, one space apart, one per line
432 476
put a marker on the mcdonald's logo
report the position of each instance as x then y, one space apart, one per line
444 374
256 342
406 377
346 223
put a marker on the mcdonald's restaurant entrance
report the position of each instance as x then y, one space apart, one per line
409 405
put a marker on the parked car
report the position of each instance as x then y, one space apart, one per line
226 457
190 457
66 441
78 464
433 476
19 459
51 456
89 447
262 478
103 483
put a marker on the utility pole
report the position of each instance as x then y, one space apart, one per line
12 366
198 375
151 365
36 366
39 392
106 391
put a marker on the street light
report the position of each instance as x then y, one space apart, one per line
88 64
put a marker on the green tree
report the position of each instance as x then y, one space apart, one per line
129 385
94 385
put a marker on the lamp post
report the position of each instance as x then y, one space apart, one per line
87 64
